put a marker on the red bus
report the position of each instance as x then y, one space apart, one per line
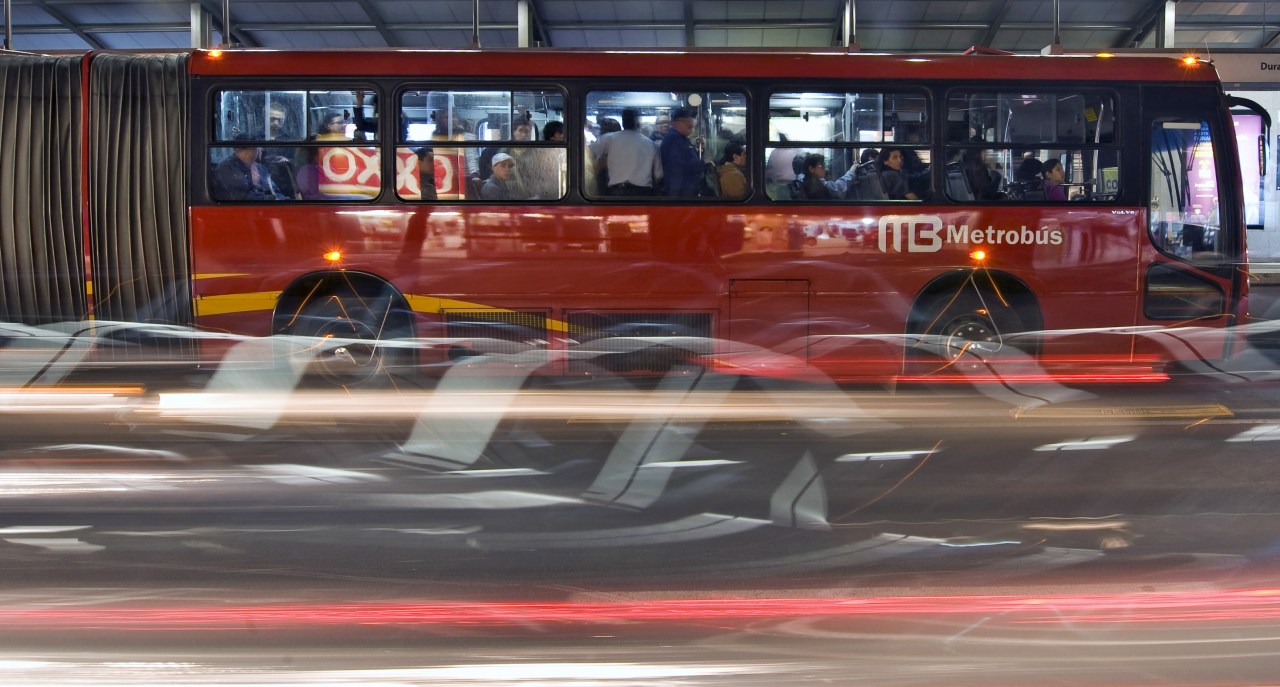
855 213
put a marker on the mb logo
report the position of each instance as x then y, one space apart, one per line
920 233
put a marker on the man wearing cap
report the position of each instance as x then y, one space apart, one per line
682 165
499 186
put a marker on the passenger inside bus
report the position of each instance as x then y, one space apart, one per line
814 185
242 177
732 171
1053 175
629 158
891 178
499 185
682 166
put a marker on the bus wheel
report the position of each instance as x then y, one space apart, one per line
350 330
969 330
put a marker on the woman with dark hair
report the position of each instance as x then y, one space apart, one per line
332 128
1054 175
814 184
895 185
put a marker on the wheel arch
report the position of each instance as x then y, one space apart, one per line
359 285
995 287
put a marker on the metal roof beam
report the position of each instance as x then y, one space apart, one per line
68 24
378 23
690 34
215 13
996 21
1144 26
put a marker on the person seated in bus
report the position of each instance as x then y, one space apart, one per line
500 186
814 185
891 177
425 157
629 158
868 155
308 177
1053 175
1027 182
982 182
242 177
732 171
333 128
682 165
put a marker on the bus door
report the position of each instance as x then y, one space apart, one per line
1193 267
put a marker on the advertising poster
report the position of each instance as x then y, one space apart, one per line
1248 142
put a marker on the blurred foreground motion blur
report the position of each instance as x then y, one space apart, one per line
239 519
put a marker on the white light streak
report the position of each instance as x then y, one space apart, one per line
1092 444
882 455
1259 433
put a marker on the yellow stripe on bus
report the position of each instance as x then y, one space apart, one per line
219 275
435 305
266 300
236 302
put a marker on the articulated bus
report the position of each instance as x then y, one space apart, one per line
853 213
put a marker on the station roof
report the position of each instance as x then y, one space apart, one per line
1022 26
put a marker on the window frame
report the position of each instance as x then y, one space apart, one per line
930 108
1117 146
212 141
396 144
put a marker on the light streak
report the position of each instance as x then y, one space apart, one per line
1231 605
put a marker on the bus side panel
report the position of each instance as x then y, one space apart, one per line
41 224
830 286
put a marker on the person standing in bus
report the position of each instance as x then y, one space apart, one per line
629 158
661 125
682 165
732 171
895 185
1054 175
276 158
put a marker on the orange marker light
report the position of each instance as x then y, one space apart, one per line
1190 61
979 255
1105 54
333 255
215 53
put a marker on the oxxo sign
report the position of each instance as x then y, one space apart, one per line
927 234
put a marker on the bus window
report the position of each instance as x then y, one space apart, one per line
871 146
1033 147
625 153
293 145
1184 191
502 145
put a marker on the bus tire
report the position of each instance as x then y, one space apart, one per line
971 329
349 320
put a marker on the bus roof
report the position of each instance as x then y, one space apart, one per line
632 64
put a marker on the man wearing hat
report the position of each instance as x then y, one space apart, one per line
499 186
